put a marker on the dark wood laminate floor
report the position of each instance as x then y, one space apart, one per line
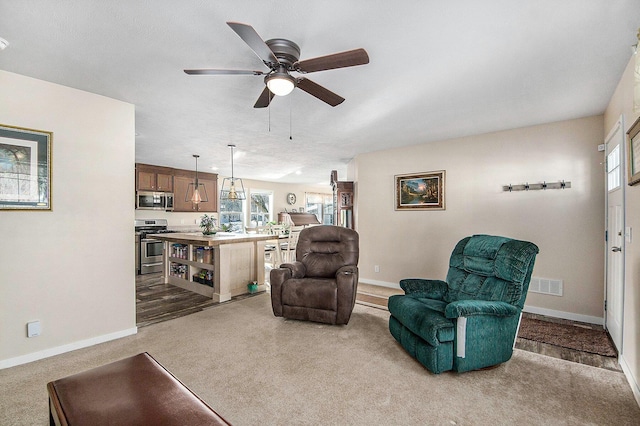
157 302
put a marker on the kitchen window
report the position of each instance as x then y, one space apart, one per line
261 207
232 212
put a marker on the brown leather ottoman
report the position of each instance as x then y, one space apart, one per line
133 391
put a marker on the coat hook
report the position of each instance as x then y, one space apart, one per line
526 186
544 185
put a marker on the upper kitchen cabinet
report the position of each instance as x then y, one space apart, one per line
154 178
182 203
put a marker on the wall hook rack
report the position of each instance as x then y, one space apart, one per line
537 186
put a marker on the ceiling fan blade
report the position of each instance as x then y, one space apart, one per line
255 42
222 72
265 98
349 58
314 89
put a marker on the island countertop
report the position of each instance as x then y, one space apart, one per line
218 239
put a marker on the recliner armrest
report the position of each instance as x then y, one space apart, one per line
467 308
298 270
347 270
419 287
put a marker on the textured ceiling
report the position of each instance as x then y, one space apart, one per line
438 70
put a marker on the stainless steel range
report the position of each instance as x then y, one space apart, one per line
150 255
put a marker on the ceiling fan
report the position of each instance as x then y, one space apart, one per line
282 56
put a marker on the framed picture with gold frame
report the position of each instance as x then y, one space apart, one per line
25 168
420 191
633 153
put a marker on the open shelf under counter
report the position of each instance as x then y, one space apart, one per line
236 260
192 263
201 289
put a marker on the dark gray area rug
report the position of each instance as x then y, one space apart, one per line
567 336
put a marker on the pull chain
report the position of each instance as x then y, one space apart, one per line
269 125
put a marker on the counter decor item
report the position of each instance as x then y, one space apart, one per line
208 225
252 286
227 227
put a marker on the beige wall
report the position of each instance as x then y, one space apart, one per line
71 268
622 104
567 225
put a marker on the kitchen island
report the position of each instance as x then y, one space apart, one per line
218 266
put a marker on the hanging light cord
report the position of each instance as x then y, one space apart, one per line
232 163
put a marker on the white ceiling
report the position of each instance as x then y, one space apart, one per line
438 70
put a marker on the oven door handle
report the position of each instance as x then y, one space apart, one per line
149 265
149 240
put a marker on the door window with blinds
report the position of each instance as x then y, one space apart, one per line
613 169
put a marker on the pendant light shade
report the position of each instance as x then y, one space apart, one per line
232 188
196 192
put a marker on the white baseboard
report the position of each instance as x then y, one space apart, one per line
565 315
531 309
380 283
632 380
24 359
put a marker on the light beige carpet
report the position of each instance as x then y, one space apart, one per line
254 368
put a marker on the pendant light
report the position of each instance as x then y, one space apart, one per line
196 192
232 188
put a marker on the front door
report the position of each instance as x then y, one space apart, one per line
615 233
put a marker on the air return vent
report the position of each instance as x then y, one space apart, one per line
546 286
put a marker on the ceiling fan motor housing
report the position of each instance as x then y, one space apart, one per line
285 50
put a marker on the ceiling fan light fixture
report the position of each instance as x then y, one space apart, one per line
280 83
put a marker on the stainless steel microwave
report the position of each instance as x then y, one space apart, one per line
147 200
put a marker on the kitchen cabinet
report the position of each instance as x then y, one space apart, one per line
181 185
154 178
166 179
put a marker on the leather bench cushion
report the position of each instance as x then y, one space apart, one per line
317 293
132 391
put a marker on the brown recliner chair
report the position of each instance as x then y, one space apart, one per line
321 284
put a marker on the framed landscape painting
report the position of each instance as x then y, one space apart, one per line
633 153
420 191
25 168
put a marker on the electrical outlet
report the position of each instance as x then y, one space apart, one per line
376 268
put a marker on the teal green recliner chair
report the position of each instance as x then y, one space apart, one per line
470 321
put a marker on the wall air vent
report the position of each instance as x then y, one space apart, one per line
546 286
